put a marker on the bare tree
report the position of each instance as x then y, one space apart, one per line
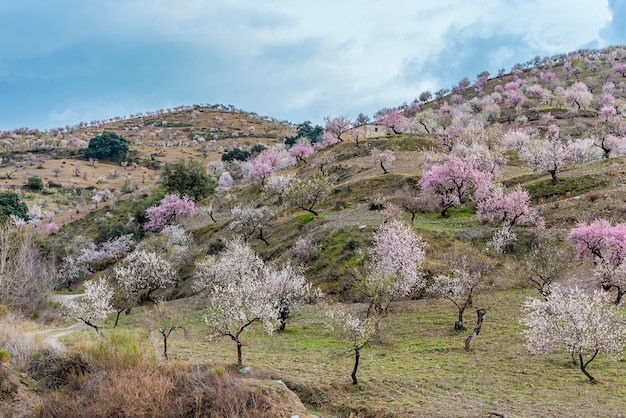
27 276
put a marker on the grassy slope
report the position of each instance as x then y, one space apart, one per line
420 368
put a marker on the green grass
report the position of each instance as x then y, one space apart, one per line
419 368
567 186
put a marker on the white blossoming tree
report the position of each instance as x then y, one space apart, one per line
236 292
93 307
288 288
584 324
395 266
248 220
359 331
465 276
142 272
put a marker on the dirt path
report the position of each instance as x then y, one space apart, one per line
50 336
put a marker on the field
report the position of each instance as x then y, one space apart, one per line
419 368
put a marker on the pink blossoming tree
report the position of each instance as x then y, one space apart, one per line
171 209
453 182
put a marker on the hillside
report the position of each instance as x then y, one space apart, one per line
571 107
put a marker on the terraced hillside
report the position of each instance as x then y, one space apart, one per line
552 130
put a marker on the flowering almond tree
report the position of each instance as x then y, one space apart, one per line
334 128
466 276
584 324
612 276
391 118
605 245
395 266
511 208
288 288
93 307
141 273
600 241
171 209
302 150
277 186
237 293
249 219
267 163
305 194
358 331
547 154
382 158
452 182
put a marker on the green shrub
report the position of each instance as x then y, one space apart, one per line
107 146
35 183
187 178
5 357
10 204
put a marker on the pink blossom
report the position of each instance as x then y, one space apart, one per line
52 228
453 182
494 203
334 128
171 209
553 131
607 112
392 119
302 150
600 241
620 68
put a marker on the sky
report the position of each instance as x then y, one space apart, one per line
67 61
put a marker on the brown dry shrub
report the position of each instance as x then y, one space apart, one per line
128 392
19 344
173 390
593 195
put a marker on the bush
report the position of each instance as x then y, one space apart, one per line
107 146
10 204
111 231
187 178
215 247
236 154
35 183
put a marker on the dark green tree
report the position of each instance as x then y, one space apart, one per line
107 146
187 178
236 154
10 204
35 183
305 130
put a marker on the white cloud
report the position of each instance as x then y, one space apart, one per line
330 55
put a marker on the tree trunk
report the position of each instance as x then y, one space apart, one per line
165 335
479 323
583 366
239 362
283 314
117 316
553 174
310 210
357 354
262 238
383 167
412 217
458 325
620 294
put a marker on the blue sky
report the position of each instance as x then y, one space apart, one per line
66 61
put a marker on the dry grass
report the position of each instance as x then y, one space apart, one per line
17 337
